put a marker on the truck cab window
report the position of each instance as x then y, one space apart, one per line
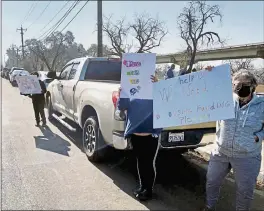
73 71
103 71
65 72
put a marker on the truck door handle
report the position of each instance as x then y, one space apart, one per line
61 85
73 89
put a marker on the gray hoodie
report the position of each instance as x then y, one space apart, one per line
235 137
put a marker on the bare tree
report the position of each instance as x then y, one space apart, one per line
147 32
117 34
238 64
52 49
199 66
192 23
260 75
246 64
50 54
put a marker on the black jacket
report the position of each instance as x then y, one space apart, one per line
43 92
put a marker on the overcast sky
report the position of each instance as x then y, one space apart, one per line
242 20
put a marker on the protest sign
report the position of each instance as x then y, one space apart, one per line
28 84
135 75
193 98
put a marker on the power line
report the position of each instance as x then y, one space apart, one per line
55 26
55 16
40 14
77 2
28 12
33 6
52 27
75 15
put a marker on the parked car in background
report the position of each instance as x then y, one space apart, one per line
12 70
15 73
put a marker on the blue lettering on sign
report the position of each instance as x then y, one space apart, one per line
133 91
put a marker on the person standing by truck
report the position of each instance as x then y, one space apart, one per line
144 140
238 144
38 101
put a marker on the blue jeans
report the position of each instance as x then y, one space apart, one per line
246 171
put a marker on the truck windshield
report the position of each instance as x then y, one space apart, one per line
104 71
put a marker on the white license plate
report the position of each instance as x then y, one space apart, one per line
176 137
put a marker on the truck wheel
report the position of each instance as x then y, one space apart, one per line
92 140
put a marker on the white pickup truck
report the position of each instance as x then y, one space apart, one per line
86 93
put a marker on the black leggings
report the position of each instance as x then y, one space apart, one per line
146 149
38 105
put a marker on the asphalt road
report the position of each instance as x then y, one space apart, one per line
46 169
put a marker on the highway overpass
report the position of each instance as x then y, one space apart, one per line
255 50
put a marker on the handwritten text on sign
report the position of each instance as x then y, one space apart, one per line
28 84
194 98
135 75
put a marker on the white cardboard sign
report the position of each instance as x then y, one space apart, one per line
135 75
28 84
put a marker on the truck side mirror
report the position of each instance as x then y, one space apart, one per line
52 74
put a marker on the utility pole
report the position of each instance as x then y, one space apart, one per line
22 39
99 29
17 56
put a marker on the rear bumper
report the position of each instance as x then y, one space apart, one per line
192 139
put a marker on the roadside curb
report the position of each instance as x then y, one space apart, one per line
204 152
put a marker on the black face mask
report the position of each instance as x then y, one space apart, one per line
244 91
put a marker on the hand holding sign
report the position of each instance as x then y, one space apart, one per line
154 79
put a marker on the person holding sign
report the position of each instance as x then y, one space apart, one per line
238 144
136 100
38 101
144 139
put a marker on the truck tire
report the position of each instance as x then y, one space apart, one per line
93 144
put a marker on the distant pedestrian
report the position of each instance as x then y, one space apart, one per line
170 73
38 101
238 144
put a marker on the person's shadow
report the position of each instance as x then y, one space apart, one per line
52 142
